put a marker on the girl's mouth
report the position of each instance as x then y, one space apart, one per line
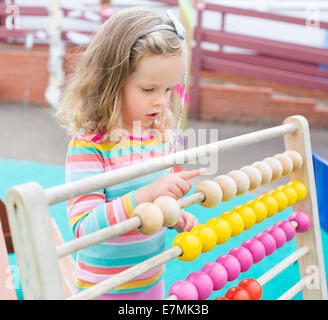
152 116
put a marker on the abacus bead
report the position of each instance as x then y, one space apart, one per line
170 208
278 234
247 214
290 193
287 163
218 274
151 217
203 283
244 257
231 264
221 228
281 199
235 221
302 219
228 187
241 180
288 228
300 189
254 175
184 290
190 244
237 293
271 204
206 235
253 288
276 167
296 159
221 298
256 248
268 241
259 208
212 192
265 170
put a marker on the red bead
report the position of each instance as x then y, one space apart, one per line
221 298
253 288
237 293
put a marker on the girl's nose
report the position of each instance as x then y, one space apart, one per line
162 99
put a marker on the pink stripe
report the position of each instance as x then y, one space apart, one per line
86 166
119 211
133 238
93 278
83 158
141 138
81 207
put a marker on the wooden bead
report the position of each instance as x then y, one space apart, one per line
170 208
254 176
265 170
151 217
287 163
296 158
276 167
212 192
241 179
228 187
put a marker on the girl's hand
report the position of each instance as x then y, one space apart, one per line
173 185
186 222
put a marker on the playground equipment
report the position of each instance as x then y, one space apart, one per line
38 256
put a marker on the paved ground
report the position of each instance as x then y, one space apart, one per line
31 133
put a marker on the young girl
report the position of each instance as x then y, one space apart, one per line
116 104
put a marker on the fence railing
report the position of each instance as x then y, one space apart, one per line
11 32
278 61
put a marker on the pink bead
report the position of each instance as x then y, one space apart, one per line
231 264
288 228
268 241
184 290
256 248
217 273
278 234
302 219
203 283
244 257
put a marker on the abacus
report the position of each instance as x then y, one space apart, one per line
38 257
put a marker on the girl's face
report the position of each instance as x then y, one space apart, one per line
148 89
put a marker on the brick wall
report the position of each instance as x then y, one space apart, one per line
251 104
24 74
224 97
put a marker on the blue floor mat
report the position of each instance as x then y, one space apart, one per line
14 172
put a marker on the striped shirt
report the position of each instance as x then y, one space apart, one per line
87 156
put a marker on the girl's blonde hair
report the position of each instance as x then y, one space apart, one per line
91 97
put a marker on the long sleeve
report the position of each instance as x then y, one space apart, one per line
91 212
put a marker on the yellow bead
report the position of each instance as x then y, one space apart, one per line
206 235
235 221
300 189
190 244
281 199
247 214
221 228
290 194
259 208
271 204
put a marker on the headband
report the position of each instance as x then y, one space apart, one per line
178 27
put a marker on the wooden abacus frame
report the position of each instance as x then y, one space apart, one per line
38 257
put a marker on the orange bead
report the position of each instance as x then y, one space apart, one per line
237 293
253 288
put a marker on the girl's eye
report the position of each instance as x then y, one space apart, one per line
148 90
